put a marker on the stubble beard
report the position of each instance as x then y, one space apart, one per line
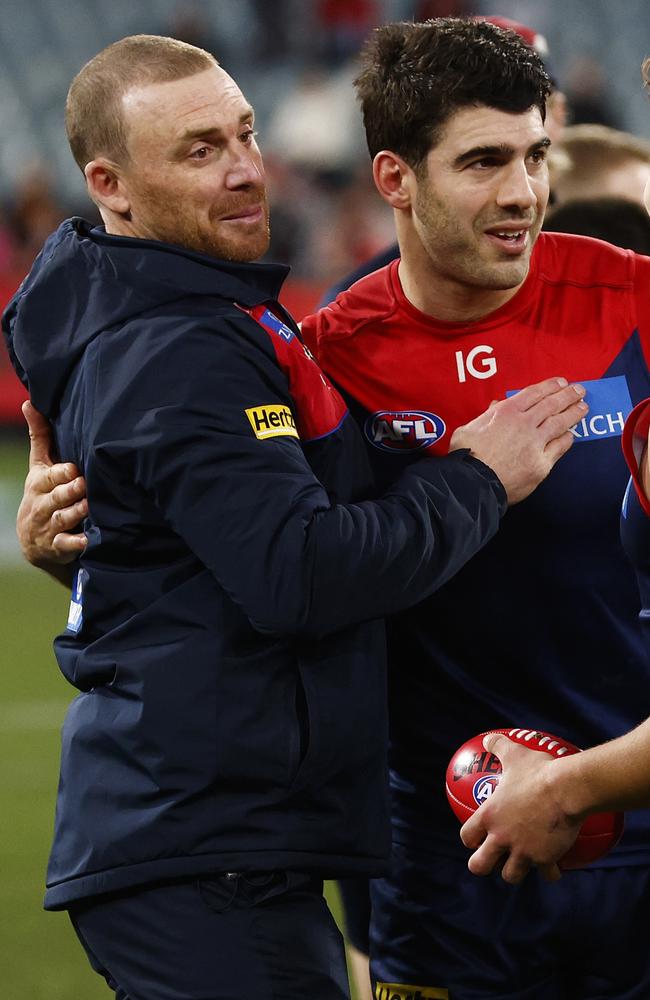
457 257
249 248
173 227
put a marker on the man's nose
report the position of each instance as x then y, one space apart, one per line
245 169
516 187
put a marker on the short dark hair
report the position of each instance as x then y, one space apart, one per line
414 77
619 221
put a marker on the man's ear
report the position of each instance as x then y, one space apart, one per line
106 186
394 179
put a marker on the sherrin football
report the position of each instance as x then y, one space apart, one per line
473 774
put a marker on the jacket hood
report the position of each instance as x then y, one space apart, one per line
85 280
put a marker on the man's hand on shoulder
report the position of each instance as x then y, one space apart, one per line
53 504
522 437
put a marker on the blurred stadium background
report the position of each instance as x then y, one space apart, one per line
295 60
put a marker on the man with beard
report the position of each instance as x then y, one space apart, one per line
227 749
541 628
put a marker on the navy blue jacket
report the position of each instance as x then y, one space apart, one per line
225 628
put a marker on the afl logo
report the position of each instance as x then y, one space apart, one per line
404 430
484 787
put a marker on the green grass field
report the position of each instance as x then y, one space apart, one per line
41 957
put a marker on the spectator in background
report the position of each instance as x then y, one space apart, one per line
190 23
588 94
425 9
317 127
341 27
273 29
34 213
596 161
319 178
357 228
620 221
291 192
8 245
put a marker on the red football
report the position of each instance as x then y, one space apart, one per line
473 774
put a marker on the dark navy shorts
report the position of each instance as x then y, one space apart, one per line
264 936
437 931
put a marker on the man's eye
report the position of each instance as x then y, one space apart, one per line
200 153
247 137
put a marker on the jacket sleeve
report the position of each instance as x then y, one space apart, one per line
252 510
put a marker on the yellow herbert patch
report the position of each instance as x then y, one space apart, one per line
402 991
272 420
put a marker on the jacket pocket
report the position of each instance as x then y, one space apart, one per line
344 682
263 724
85 667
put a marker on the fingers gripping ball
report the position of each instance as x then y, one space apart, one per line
473 774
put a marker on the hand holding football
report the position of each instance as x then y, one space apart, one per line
473 774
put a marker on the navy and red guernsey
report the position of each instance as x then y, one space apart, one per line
541 629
